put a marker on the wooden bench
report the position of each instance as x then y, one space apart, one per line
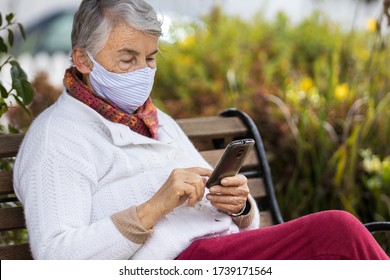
209 134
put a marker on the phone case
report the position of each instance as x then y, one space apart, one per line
231 161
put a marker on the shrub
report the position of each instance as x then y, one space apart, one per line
21 90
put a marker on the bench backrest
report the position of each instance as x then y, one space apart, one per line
12 221
210 135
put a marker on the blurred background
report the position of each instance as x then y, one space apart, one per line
313 74
48 23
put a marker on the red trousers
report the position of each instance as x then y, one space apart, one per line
328 235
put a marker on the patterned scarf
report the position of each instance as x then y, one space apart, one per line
144 121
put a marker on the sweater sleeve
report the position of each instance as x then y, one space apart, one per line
128 223
55 183
251 220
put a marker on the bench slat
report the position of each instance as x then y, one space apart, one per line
15 252
206 127
6 185
256 187
207 132
12 218
265 219
9 144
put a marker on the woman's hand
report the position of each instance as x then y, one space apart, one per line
231 195
187 184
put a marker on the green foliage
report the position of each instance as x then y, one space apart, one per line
319 95
21 89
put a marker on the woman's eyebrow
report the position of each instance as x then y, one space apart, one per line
134 52
129 51
153 53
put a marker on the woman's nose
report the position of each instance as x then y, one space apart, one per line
142 64
146 63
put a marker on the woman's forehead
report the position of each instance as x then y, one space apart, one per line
125 37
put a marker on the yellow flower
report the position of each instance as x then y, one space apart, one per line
373 164
341 92
292 96
372 25
185 59
306 84
314 97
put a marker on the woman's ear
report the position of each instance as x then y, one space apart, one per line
81 61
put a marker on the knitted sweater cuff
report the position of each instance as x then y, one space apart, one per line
129 225
244 221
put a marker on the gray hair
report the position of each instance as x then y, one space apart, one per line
95 19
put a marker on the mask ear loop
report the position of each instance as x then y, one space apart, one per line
90 64
91 59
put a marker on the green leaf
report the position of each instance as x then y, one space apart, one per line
4 92
14 62
3 107
25 91
21 29
3 46
1 19
28 91
10 37
12 129
9 17
5 62
20 83
17 71
21 104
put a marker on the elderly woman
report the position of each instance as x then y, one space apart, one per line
104 174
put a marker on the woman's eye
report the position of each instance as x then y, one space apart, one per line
129 61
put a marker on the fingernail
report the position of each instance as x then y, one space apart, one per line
224 181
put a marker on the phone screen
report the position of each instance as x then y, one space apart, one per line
231 161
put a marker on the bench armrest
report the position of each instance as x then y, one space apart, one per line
378 226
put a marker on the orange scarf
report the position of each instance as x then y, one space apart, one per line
144 121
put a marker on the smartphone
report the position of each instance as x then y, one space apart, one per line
231 161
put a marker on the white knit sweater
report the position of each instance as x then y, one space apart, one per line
75 169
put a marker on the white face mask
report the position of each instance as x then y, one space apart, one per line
128 91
